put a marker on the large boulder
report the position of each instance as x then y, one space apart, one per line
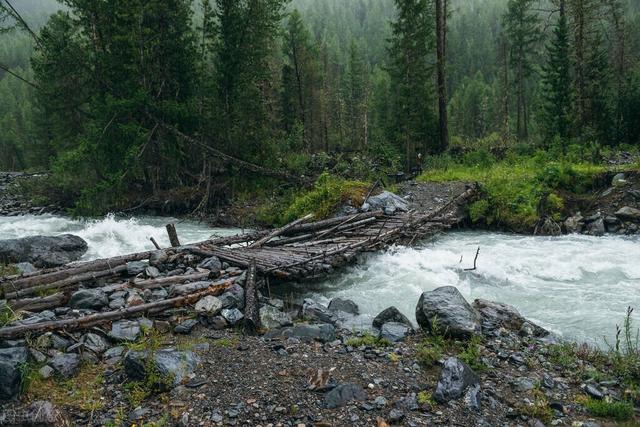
444 310
343 394
43 251
170 366
390 314
272 318
11 362
395 332
93 299
316 312
497 315
455 379
307 333
344 306
628 213
386 201
65 364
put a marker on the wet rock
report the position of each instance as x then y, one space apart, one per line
343 394
25 267
65 364
113 352
387 201
395 332
43 251
94 342
456 377
212 264
593 391
454 316
45 372
233 297
185 327
311 310
390 314
11 361
574 224
271 317
629 214
152 272
157 258
136 267
117 303
172 366
344 305
125 330
323 333
232 316
495 315
596 228
93 299
209 305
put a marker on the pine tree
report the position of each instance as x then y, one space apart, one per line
521 26
556 81
357 97
410 48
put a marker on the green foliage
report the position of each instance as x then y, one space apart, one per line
429 353
538 408
368 340
625 352
7 315
328 193
471 354
619 411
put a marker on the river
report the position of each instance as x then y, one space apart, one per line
577 286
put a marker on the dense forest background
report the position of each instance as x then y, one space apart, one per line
149 96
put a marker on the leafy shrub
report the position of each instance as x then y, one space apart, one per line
619 411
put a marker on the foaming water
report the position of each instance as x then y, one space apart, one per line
111 235
576 286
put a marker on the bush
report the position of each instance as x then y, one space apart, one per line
619 411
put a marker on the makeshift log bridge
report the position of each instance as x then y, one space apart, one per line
300 250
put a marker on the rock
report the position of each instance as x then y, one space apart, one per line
628 213
40 413
136 267
93 299
95 343
390 314
617 178
11 361
472 397
157 258
233 297
185 327
454 316
395 332
152 272
523 384
311 310
45 372
125 330
593 391
232 316
343 394
213 264
323 333
209 305
596 228
387 201
216 322
134 299
271 317
344 305
574 224
396 415
43 251
117 303
456 377
495 315
65 364
172 366
25 267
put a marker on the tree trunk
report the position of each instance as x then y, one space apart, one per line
441 14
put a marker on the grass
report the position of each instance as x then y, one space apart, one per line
368 340
617 410
517 188
8 270
538 409
7 315
471 354
226 342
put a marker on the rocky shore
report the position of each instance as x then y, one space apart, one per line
12 203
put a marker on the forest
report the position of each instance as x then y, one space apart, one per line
241 99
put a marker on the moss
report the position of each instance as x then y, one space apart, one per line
368 340
539 408
226 342
619 411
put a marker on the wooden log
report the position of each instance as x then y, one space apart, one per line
321 225
251 302
99 318
275 233
157 246
39 303
173 235
166 281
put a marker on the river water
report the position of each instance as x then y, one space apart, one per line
576 286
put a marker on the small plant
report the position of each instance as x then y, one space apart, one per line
394 358
425 398
563 355
368 340
619 411
429 353
471 354
226 342
7 315
538 409
625 354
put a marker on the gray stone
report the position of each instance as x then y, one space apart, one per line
45 372
113 352
593 391
125 330
472 397
307 333
171 365
185 327
311 310
94 342
232 316
117 303
134 299
523 384
596 228
396 415
40 413
233 297
344 305
388 201
93 299
212 264
495 315
390 314
157 258
617 178
11 362
271 317
628 213
136 267
574 224
343 394
43 251
452 313
454 380
395 332
209 305
65 364
25 267
152 272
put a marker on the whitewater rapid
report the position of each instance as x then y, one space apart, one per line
577 286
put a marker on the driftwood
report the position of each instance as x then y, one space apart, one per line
251 301
170 280
96 319
275 233
155 243
173 235
39 303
